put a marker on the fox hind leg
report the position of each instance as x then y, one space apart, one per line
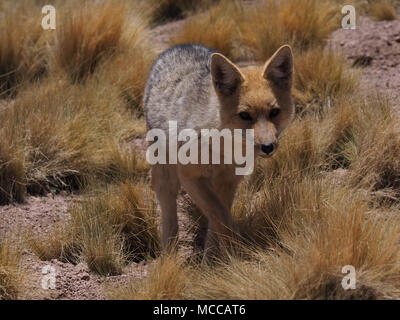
166 186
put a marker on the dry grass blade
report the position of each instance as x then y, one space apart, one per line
87 35
167 280
302 24
383 10
216 28
321 74
63 135
107 229
22 46
10 274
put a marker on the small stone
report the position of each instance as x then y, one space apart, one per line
80 266
85 277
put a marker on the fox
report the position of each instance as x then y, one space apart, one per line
200 88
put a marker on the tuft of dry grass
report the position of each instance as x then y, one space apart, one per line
302 24
232 28
272 208
58 244
57 134
107 229
10 275
63 135
128 73
167 279
320 240
383 10
376 164
321 74
114 45
86 35
115 227
12 172
22 46
217 28
128 68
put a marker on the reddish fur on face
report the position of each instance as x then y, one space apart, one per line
256 91
257 97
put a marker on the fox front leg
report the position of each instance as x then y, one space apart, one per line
221 232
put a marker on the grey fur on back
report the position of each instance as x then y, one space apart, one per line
179 88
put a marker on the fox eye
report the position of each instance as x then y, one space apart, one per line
274 112
245 116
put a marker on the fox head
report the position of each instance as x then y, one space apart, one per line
256 98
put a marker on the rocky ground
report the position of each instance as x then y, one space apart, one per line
373 46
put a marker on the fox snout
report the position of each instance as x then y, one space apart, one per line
268 148
266 138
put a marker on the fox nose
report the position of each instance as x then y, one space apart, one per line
268 148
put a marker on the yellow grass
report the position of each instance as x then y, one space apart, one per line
86 35
22 45
168 279
325 236
320 238
383 10
321 74
327 229
216 28
108 229
63 134
58 244
328 139
107 37
302 24
232 28
57 134
116 227
127 69
376 163
10 273
12 172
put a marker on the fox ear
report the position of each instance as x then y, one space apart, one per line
225 75
279 68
